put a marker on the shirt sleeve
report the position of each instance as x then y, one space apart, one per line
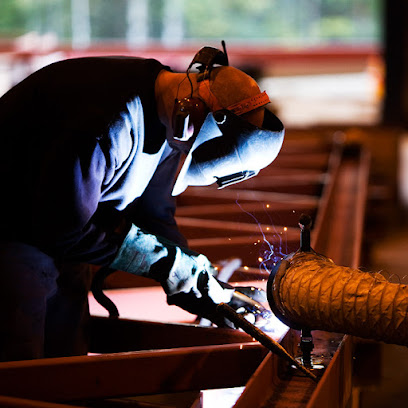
155 210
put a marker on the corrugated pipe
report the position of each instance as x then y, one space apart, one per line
308 290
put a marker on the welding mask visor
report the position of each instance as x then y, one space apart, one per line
229 149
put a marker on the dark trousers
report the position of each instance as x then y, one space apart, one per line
43 307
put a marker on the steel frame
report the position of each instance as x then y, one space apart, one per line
177 358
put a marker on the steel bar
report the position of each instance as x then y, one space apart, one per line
254 195
231 226
135 335
120 374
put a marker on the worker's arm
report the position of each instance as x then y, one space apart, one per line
186 276
177 269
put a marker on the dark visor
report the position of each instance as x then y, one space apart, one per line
235 178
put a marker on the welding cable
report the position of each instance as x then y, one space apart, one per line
99 295
240 321
310 290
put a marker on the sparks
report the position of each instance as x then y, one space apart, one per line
269 254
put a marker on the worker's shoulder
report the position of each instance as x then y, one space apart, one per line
115 66
106 61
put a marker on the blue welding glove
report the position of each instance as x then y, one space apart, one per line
186 277
244 300
193 273
212 292
176 269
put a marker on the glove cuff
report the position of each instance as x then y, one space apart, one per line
141 251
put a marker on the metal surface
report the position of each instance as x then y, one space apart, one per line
125 335
136 373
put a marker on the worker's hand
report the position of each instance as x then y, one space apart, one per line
247 301
203 300
244 300
184 276
176 269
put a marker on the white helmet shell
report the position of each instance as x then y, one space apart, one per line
229 149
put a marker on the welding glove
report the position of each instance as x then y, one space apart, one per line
176 269
186 277
212 293
244 300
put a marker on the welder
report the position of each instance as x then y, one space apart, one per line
91 167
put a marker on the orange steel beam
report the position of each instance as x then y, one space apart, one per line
136 373
291 232
136 335
254 195
211 210
15 402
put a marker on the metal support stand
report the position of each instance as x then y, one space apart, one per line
306 345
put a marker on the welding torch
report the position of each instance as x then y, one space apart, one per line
224 310
241 322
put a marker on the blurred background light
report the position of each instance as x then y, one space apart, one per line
320 60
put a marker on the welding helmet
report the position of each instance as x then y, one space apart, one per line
229 149
225 147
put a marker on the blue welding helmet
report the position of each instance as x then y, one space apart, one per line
229 149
